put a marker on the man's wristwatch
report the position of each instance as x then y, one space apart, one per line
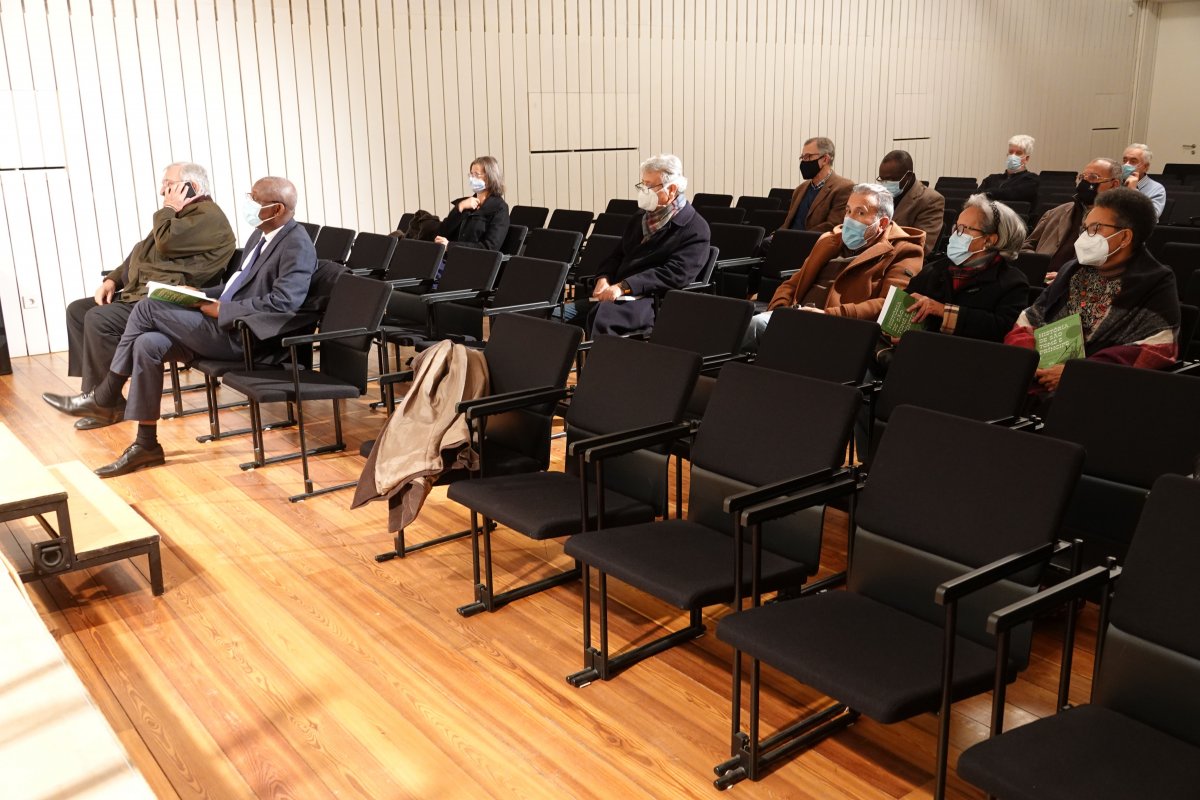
624 287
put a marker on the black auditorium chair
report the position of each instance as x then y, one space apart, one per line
514 240
609 224
970 378
333 243
1034 266
739 254
621 206
1183 259
565 219
527 359
731 216
530 216
752 203
553 244
347 329
1139 733
583 276
626 387
693 563
371 254
311 228
702 200
907 635
787 254
414 264
769 221
1135 425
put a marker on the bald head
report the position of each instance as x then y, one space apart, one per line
275 190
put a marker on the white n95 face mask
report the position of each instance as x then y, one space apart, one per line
647 200
1092 250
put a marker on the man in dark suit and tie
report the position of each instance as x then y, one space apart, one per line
274 276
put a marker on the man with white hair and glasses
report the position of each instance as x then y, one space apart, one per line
1016 182
189 244
664 247
1135 166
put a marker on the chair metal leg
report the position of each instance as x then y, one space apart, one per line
336 447
486 598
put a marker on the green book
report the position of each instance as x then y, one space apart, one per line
1059 341
179 295
894 318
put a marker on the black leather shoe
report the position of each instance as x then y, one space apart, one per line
134 458
92 423
85 405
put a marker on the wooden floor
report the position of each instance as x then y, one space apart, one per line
284 662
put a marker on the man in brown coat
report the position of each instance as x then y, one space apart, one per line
1057 230
190 244
850 269
917 206
819 202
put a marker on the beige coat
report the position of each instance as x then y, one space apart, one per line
424 432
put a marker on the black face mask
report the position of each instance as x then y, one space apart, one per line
1085 192
809 169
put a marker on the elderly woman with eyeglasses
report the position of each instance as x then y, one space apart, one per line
481 218
974 291
1125 299
664 247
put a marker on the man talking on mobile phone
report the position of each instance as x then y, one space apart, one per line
189 244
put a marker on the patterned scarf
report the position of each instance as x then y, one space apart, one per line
654 220
965 273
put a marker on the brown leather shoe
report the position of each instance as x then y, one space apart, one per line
134 458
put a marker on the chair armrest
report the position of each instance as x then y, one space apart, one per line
1186 368
395 377
752 497
1030 608
842 483
1017 423
542 306
748 261
406 283
784 274
955 589
580 446
707 362
585 345
599 452
450 296
510 401
325 336
696 286
366 272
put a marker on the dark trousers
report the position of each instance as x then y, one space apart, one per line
92 335
619 318
158 332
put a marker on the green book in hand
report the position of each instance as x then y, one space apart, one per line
179 295
1059 341
894 318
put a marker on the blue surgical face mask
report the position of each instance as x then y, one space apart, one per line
958 249
893 187
1013 163
251 210
476 185
854 233
1126 170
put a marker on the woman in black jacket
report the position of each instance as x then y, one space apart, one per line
975 290
481 218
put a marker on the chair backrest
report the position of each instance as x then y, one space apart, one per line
1162 235
565 219
529 216
956 375
1189 323
621 206
608 224
1183 258
553 244
1150 667
730 216
413 258
701 200
355 302
704 279
1058 176
311 227
702 323
628 384
469 268
752 203
599 247
1186 211
956 185
526 353
334 243
1022 207
735 241
741 445
405 218
788 250
231 266
1034 266
1001 492
514 240
531 280
372 251
769 221
783 193
835 349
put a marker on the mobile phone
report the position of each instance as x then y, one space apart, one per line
191 190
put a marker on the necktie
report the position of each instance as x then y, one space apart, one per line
236 281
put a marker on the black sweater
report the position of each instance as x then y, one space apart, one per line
1021 185
989 303
485 227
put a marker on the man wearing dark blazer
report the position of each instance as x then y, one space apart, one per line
273 278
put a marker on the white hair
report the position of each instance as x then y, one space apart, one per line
885 205
1147 156
1001 220
1023 141
670 167
194 174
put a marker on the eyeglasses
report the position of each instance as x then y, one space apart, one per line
1092 177
643 187
1094 228
811 156
961 230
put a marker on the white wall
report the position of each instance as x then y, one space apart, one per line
1174 112
376 108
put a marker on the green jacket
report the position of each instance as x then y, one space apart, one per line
190 248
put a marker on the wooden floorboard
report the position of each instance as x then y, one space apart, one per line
284 662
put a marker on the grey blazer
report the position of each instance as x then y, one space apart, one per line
278 280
